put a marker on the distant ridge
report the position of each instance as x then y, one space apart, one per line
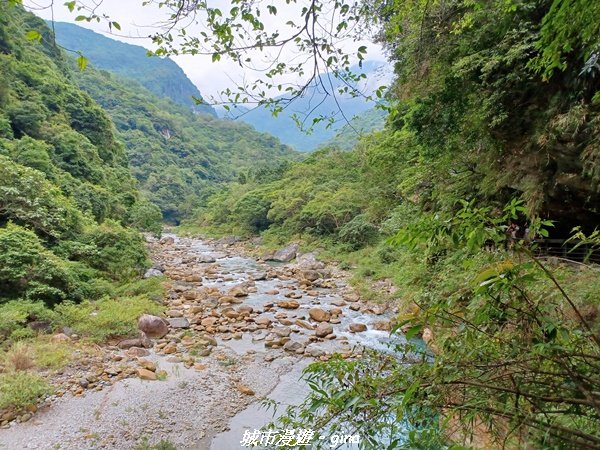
161 76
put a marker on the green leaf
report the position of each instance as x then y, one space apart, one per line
33 36
82 62
413 331
116 25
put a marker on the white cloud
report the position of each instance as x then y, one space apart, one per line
138 22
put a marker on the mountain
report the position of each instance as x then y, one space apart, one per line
68 201
311 105
178 157
161 76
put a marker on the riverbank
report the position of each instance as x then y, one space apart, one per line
236 325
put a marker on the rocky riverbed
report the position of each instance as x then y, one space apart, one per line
237 329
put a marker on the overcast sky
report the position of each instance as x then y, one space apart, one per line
137 22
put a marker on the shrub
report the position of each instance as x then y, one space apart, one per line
120 252
27 269
358 232
21 389
106 317
16 313
146 216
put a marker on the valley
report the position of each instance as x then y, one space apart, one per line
238 328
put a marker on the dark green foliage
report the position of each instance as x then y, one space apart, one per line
179 157
118 252
66 193
29 270
28 198
146 216
358 232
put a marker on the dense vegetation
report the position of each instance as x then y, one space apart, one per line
494 122
161 76
178 157
70 210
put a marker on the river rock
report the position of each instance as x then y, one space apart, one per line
238 291
288 304
323 329
153 273
245 310
146 374
382 325
179 322
282 331
262 321
148 365
142 341
137 352
304 324
311 275
169 349
205 259
167 240
357 327
285 254
174 313
308 261
319 315
292 346
209 321
244 389
259 276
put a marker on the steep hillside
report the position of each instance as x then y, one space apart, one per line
161 76
347 136
67 197
178 157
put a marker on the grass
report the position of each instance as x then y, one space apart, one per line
107 317
162 445
20 389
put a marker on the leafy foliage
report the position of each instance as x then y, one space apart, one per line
67 197
178 157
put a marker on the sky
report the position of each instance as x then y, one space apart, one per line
137 22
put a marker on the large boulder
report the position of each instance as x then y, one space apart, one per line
205 258
323 329
285 254
308 261
167 240
153 273
153 326
319 315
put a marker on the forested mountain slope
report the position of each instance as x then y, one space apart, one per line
161 76
179 157
67 197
